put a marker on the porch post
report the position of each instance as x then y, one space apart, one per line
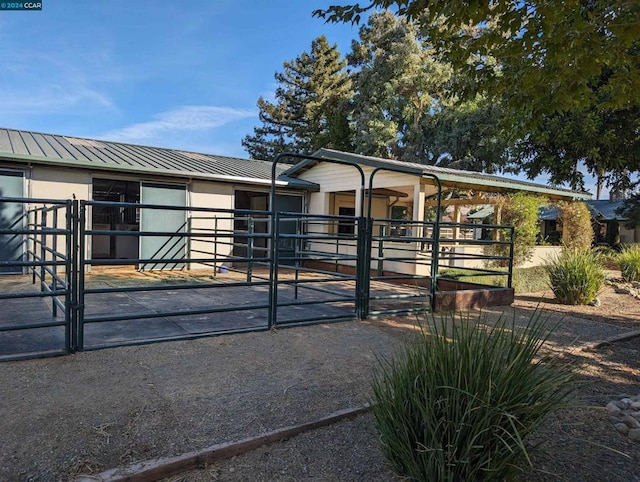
418 202
358 203
418 215
456 218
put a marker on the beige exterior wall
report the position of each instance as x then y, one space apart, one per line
629 236
204 194
541 255
337 177
391 250
61 184
57 184
52 183
320 203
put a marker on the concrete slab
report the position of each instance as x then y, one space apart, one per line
246 307
28 312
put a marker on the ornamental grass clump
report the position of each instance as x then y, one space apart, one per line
576 276
629 261
458 402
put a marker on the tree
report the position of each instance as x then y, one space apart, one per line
606 144
399 83
521 212
405 102
631 211
566 75
310 109
467 136
543 49
577 230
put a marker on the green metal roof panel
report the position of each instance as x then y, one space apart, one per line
5 145
50 149
443 173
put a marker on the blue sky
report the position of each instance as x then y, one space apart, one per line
182 74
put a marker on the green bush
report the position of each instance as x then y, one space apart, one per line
576 276
530 280
575 219
457 403
629 261
608 256
521 212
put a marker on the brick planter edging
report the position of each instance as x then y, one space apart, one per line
154 469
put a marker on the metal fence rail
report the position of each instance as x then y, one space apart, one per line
223 270
491 259
216 301
400 267
37 243
316 267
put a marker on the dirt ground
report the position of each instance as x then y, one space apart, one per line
92 411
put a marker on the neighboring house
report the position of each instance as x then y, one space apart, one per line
608 225
549 234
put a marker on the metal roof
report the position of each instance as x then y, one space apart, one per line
602 210
545 213
605 210
58 150
483 212
448 176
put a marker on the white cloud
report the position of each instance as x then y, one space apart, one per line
36 82
53 99
183 119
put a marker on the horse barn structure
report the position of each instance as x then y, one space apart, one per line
105 244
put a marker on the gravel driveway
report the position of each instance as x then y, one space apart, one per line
95 410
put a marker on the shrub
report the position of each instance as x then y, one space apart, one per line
521 212
608 257
577 231
629 261
457 403
576 276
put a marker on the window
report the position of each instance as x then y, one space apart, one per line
346 226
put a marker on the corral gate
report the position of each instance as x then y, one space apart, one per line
313 270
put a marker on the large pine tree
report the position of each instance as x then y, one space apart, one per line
310 107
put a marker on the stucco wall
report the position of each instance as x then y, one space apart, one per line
57 184
52 183
211 195
541 255
629 236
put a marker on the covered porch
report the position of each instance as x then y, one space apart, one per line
414 210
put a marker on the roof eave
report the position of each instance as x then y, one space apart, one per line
506 185
47 161
460 180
